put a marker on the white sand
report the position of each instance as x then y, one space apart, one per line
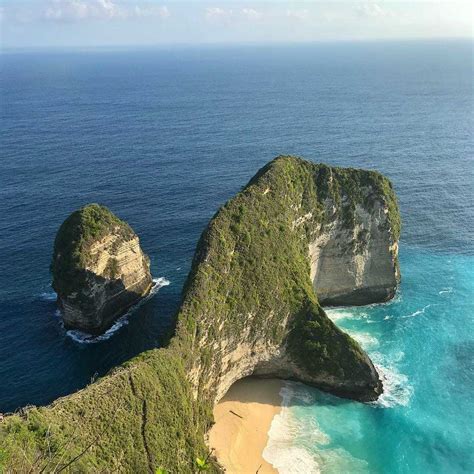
243 418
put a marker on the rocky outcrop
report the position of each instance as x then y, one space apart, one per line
250 306
99 269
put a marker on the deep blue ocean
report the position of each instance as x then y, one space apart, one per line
164 137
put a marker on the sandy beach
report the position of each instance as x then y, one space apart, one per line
243 418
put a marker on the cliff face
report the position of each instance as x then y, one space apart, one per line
252 297
249 307
99 269
354 261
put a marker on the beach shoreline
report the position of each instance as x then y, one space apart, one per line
242 421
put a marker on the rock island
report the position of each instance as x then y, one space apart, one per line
99 269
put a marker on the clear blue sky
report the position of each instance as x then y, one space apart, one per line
66 23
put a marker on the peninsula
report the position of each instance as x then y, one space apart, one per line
250 307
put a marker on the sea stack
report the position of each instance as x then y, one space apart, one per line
98 269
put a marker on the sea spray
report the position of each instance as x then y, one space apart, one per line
48 296
397 389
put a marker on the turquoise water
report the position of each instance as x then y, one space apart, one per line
422 344
164 137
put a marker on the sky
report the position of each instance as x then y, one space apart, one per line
115 23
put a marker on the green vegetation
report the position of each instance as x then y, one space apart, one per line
73 240
140 417
249 283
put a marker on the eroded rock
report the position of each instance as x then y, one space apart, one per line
99 269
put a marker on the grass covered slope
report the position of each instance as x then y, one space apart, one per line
248 307
136 419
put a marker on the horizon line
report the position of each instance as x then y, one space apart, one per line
220 44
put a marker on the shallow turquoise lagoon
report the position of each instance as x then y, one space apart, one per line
422 344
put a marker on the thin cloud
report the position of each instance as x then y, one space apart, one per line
216 13
372 10
77 10
251 14
152 11
301 15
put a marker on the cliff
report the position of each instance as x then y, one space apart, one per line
353 253
98 268
249 307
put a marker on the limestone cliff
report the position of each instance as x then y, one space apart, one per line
354 252
250 299
249 307
99 269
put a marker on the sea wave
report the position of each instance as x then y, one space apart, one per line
296 442
282 451
397 390
417 312
48 296
366 340
85 338
340 314
444 291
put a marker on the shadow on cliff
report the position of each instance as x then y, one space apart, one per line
266 391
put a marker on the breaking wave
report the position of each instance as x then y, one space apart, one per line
282 450
296 442
397 390
48 296
85 338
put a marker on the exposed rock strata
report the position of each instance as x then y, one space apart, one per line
249 307
355 265
99 269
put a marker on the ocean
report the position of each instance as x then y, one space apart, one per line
163 137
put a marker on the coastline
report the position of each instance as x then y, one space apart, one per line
242 421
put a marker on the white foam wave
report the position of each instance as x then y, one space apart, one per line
418 312
339 314
445 291
281 451
397 390
366 340
336 315
85 338
297 444
48 296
